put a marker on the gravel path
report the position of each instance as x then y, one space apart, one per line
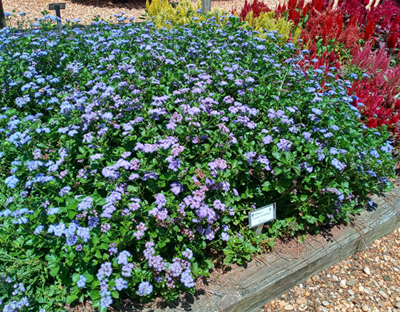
86 10
367 281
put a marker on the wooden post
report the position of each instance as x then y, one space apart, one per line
205 6
2 17
57 7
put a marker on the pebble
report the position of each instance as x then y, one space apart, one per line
397 305
335 278
289 307
367 270
343 284
325 303
351 293
365 308
383 294
301 300
352 282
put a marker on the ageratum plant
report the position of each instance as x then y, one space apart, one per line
131 155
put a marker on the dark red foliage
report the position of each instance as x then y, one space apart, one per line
392 40
318 5
339 22
350 36
327 25
256 6
369 29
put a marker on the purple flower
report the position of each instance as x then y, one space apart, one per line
337 164
127 269
209 233
307 135
267 139
106 301
250 157
93 222
374 153
11 181
333 151
187 279
82 282
160 200
188 253
284 145
105 270
176 188
107 116
123 257
120 284
176 269
53 211
316 111
174 164
96 157
85 204
225 186
83 233
38 229
225 236
145 289
64 191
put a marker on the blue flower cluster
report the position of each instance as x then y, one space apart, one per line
134 148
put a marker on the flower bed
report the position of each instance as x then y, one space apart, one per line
131 157
348 34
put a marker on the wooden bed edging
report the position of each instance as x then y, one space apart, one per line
248 289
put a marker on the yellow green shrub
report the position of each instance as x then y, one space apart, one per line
267 21
164 14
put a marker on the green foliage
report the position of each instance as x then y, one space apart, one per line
130 156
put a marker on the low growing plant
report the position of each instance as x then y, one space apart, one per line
128 156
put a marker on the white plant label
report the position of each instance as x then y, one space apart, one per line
262 215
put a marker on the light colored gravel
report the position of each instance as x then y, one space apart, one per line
86 10
367 281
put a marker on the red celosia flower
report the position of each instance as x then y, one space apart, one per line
369 29
392 40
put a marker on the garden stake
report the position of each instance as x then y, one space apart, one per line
205 6
57 7
2 16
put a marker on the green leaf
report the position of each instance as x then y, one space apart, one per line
115 294
72 214
54 270
51 258
289 156
82 149
76 277
276 155
266 186
277 170
210 264
71 298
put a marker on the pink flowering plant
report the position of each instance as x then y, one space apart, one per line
130 155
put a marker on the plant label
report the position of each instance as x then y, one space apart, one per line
262 215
